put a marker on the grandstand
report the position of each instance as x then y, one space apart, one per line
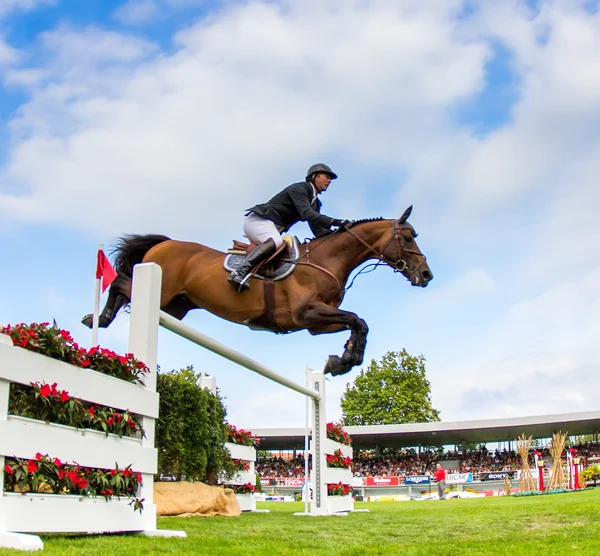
419 446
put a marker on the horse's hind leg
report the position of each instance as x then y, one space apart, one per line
118 296
179 306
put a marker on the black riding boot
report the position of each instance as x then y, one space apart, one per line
256 256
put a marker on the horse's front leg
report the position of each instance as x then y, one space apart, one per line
320 318
118 296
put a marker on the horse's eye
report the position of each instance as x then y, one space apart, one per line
408 239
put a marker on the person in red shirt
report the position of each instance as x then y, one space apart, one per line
440 479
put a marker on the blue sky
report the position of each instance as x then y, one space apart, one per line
173 116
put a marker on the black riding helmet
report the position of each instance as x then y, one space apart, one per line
320 168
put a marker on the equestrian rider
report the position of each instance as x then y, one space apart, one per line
265 223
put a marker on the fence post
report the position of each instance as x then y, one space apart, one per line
316 381
143 343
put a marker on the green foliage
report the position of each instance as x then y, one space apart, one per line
394 390
190 430
589 474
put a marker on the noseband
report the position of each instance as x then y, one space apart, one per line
400 265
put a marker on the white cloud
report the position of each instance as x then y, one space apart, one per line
137 12
8 54
8 6
256 84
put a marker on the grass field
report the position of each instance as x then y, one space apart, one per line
541 525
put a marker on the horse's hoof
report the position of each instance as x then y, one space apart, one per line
335 366
88 320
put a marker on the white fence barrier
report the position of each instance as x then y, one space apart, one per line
23 438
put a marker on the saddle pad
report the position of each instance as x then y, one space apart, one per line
234 261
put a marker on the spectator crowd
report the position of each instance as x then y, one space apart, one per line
413 462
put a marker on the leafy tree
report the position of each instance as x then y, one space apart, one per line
394 390
190 430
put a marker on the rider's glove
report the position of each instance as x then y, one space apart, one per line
340 223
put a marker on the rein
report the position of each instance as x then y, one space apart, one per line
395 266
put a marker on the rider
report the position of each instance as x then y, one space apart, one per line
265 223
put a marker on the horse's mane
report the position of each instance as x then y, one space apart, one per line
363 220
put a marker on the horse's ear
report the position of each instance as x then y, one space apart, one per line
406 214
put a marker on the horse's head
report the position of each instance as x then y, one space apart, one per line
403 254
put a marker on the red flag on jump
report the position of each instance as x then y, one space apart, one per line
105 270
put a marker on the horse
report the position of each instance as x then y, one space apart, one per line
193 277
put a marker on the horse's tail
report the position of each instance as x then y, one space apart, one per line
131 249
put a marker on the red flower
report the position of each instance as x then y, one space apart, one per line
91 411
45 391
62 473
138 476
110 421
83 483
113 472
64 396
72 475
127 472
8 469
38 456
32 466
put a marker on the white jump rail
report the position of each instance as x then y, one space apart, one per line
145 310
21 515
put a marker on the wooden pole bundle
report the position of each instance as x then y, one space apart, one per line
557 478
526 481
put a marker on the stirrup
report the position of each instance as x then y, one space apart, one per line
241 285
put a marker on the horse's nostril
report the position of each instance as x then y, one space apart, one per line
427 275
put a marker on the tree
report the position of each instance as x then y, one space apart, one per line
394 390
190 431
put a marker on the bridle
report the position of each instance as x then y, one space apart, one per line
399 266
397 237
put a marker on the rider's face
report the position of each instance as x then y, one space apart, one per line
322 182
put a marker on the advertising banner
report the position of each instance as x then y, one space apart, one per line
496 475
357 481
459 478
267 481
291 481
417 479
382 481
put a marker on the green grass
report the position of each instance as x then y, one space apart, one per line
540 525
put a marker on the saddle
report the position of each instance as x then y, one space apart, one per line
277 267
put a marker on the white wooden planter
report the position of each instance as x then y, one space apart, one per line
336 504
237 451
247 454
244 477
337 475
247 502
330 446
23 438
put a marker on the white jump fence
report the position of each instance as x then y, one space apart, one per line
21 515
145 307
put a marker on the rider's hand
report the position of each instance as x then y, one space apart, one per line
340 223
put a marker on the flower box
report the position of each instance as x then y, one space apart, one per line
59 513
88 448
338 475
243 477
247 502
330 446
337 504
237 451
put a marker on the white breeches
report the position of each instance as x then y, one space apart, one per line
259 230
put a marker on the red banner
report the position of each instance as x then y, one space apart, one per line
292 481
382 481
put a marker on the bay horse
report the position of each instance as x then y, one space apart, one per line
193 277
